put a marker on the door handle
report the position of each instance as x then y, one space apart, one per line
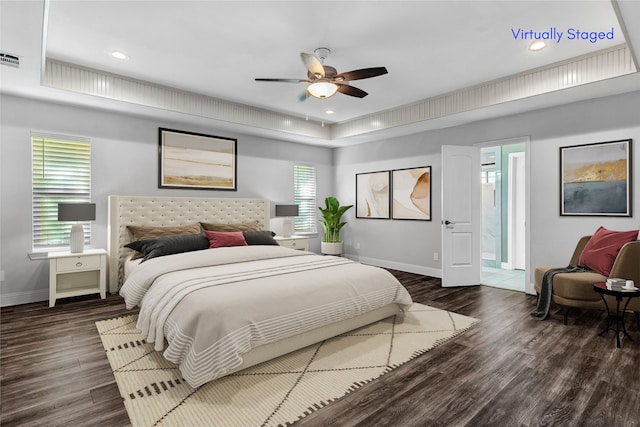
448 223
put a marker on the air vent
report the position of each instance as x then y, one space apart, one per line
9 59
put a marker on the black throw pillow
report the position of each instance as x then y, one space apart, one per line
263 237
168 245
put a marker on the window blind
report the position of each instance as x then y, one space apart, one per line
61 173
304 178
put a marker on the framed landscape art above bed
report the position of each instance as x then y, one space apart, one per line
197 161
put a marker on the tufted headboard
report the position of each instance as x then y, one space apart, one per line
164 211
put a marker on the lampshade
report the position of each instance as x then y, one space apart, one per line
322 89
286 210
76 212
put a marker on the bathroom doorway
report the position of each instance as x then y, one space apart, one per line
503 214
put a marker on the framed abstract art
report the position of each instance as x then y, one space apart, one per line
411 190
595 179
372 195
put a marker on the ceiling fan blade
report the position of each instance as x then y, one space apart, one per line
351 91
303 96
283 80
313 64
364 73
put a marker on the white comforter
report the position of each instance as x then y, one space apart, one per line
214 305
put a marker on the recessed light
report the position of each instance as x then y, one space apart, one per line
537 45
118 54
329 112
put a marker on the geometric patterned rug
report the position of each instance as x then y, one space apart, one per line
274 393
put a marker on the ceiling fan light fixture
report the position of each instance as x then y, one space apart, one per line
324 80
322 89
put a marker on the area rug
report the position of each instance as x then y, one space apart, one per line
275 393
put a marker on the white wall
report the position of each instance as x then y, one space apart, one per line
125 162
411 244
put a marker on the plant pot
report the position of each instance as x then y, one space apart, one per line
331 248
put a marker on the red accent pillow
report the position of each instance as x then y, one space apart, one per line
601 250
221 239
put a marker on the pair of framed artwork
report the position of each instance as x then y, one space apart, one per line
396 194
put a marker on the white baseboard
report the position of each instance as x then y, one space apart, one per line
409 268
17 298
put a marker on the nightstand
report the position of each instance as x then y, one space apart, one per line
74 274
294 242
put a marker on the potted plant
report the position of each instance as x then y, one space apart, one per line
331 224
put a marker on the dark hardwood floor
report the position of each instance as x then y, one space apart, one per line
508 370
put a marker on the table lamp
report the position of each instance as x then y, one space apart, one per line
76 212
286 211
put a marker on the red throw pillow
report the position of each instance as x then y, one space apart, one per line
221 239
601 250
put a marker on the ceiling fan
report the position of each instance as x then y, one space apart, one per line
324 80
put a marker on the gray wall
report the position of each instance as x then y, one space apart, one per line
124 162
409 245
403 245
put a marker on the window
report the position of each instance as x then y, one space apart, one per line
60 173
304 182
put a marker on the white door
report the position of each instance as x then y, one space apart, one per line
461 216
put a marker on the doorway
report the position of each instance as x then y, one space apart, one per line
503 214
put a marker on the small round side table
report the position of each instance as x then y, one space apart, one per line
618 316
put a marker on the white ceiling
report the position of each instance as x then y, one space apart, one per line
217 48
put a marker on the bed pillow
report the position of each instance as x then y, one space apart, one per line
145 232
221 239
141 232
263 237
601 250
168 245
238 226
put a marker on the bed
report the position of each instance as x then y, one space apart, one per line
217 311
